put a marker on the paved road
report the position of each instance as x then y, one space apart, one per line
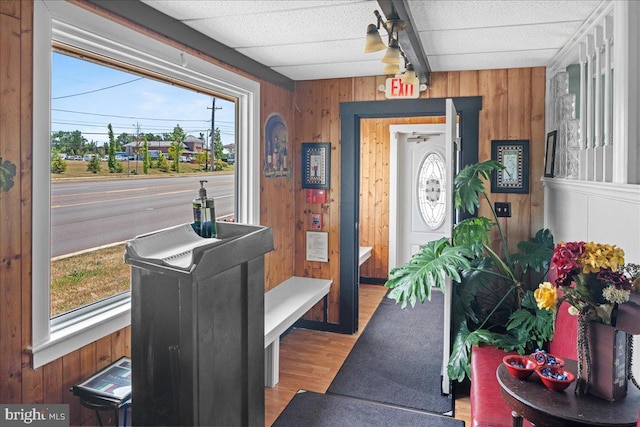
89 214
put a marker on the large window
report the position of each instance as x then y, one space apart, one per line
110 130
65 120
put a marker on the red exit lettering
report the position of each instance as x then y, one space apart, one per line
396 88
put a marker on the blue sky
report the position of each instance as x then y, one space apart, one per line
87 97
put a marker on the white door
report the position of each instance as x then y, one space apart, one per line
451 147
420 197
420 189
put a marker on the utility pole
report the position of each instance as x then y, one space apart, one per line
137 140
213 127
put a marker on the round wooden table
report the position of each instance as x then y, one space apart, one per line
531 400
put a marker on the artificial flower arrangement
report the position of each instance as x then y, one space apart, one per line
593 279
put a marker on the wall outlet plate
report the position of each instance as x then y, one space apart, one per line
503 209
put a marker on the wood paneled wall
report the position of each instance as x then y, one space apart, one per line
513 108
19 383
277 205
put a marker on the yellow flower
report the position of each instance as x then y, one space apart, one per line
598 256
546 296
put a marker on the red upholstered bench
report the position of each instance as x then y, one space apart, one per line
487 407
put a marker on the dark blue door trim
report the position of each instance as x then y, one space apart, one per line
350 115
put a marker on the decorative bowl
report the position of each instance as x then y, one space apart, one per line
519 366
542 358
555 378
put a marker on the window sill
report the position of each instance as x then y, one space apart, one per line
75 336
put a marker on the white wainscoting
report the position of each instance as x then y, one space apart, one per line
592 211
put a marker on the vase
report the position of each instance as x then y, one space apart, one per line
628 315
605 356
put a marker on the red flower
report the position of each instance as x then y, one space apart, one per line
565 261
615 278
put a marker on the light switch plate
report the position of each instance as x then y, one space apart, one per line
503 209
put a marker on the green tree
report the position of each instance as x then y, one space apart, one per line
68 142
202 157
163 163
176 148
218 149
123 139
94 164
114 165
146 161
58 164
153 137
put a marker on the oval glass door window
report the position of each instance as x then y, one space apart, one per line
431 190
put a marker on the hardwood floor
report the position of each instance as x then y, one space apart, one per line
309 360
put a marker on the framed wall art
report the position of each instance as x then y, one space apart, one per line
514 156
276 147
316 164
550 154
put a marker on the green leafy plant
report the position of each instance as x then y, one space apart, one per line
162 163
7 173
176 147
493 300
58 164
94 164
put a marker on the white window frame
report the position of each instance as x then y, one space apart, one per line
75 26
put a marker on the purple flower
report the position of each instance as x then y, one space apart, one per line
616 279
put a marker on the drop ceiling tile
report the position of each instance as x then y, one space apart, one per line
343 70
450 14
342 21
486 61
326 52
199 9
497 39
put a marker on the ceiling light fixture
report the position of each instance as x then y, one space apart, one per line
391 70
409 77
374 42
394 53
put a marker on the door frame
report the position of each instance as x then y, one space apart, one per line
350 115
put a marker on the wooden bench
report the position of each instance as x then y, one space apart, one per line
365 254
283 306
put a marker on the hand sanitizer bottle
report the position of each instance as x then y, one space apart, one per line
204 214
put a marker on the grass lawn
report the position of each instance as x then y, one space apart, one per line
78 169
89 277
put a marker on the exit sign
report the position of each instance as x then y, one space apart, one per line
395 88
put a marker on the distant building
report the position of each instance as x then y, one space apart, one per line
195 145
192 145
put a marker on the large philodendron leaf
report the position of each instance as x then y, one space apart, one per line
474 280
536 252
474 233
460 358
468 184
7 172
428 268
531 322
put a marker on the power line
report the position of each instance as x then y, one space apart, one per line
134 118
98 90
145 129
